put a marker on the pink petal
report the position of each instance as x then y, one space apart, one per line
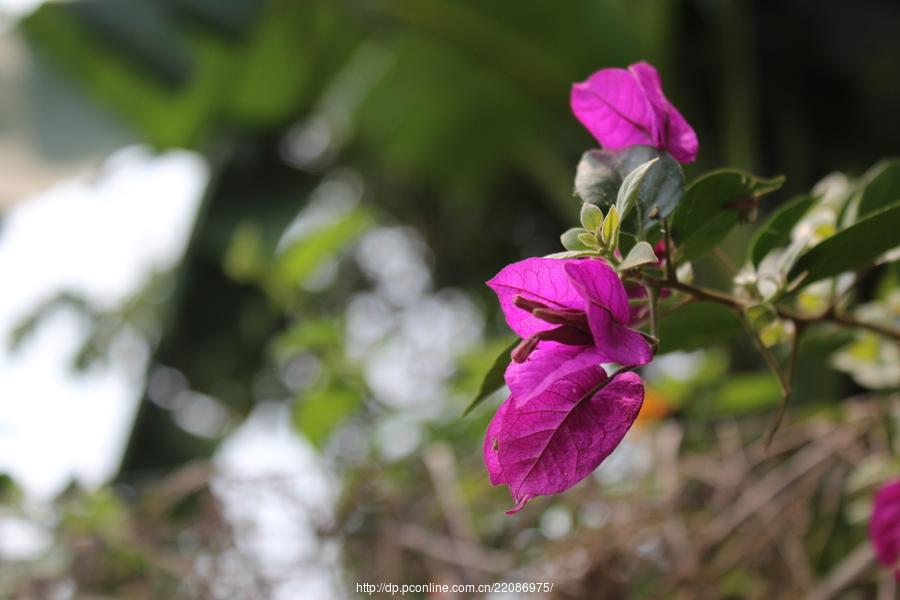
540 279
599 284
677 136
552 442
617 342
614 107
884 526
548 363
636 312
491 440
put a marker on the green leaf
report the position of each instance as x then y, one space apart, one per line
882 190
493 379
851 248
697 326
742 394
641 254
591 217
571 239
776 231
662 187
317 413
601 174
713 204
597 178
302 257
628 193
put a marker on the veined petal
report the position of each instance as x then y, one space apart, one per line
491 441
884 526
548 363
676 135
616 341
599 284
613 106
539 279
552 442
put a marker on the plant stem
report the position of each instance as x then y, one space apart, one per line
700 293
652 303
667 243
734 303
775 367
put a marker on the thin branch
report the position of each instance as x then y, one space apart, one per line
700 293
667 243
849 570
665 311
849 321
442 548
799 328
775 367
733 302
652 304
788 375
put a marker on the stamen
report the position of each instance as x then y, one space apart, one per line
527 304
524 349
574 318
571 336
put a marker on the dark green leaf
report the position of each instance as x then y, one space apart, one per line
697 326
713 204
597 179
882 190
776 231
601 173
493 380
852 248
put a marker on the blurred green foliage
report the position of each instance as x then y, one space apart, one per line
452 117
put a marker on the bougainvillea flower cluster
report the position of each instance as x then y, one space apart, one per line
627 107
563 415
884 526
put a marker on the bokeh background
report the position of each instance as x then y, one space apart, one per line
242 254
